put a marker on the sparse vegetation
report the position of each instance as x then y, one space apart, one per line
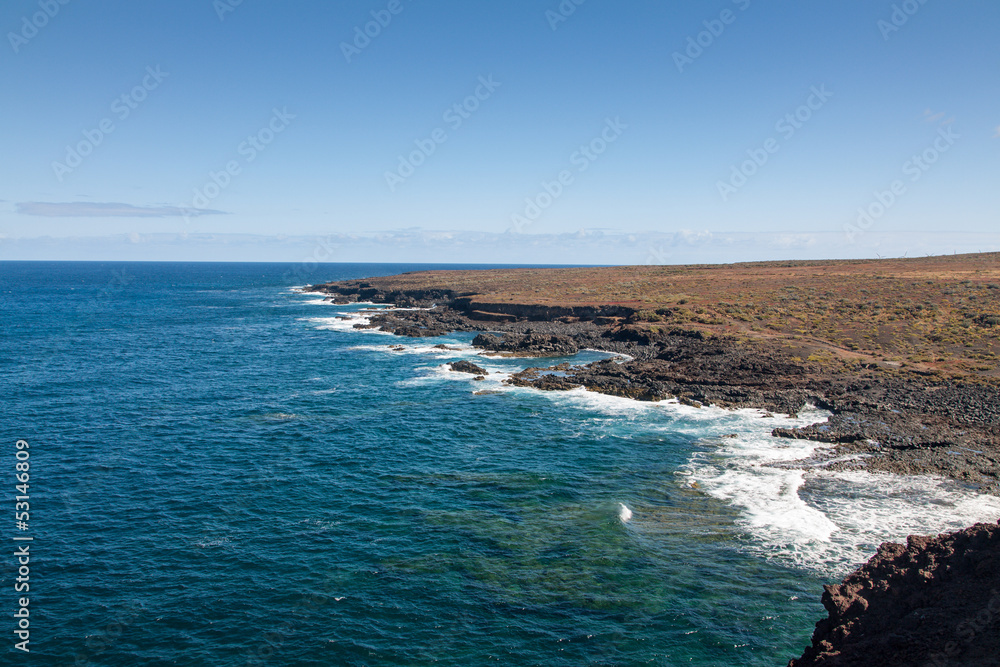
940 314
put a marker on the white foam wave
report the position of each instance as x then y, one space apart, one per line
443 373
492 382
620 357
395 309
791 506
821 519
597 402
453 350
217 542
432 375
871 508
769 501
706 421
280 416
344 321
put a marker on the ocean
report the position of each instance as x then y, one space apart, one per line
225 472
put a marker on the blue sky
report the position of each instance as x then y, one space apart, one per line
600 132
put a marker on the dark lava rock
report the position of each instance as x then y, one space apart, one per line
467 367
727 377
416 323
933 601
416 332
528 344
547 379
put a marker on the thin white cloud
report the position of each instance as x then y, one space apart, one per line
79 209
931 117
794 241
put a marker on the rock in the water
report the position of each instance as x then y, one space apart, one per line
416 332
528 344
468 367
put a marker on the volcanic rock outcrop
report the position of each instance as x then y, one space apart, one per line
467 367
527 345
934 601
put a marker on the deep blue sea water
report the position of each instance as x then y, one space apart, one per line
223 473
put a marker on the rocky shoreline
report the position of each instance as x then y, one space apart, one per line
899 421
933 601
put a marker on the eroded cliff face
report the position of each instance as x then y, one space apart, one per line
934 601
472 307
362 290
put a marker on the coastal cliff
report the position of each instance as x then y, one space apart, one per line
934 601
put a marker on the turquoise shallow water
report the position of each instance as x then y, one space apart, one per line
223 474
